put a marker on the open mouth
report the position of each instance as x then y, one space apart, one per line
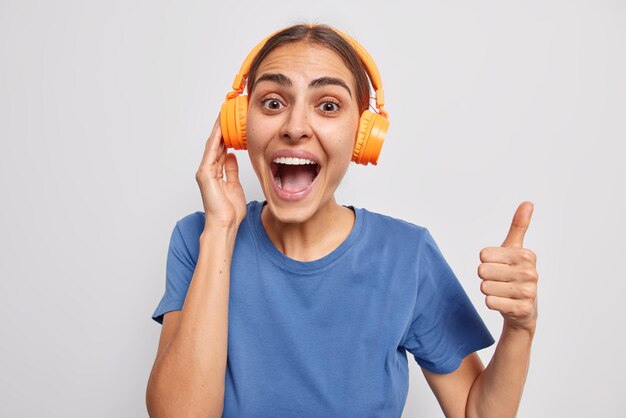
294 175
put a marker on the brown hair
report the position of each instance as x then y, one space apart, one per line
322 35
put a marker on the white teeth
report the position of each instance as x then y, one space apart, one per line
278 182
293 161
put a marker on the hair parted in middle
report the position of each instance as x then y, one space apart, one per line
321 35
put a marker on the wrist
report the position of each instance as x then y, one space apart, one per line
218 233
527 329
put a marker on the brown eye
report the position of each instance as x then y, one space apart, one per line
271 104
329 107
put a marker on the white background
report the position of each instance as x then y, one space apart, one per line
105 108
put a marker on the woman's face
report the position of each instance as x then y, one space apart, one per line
303 106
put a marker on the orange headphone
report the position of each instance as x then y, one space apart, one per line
373 126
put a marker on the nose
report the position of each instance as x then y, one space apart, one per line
297 125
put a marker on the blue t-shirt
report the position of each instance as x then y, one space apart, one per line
328 338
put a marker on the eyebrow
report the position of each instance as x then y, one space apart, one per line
329 81
276 78
282 80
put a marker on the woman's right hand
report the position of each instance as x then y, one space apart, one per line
223 198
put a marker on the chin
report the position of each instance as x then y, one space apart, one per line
291 212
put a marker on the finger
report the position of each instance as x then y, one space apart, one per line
506 273
221 159
519 225
512 308
509 290
500 255
506 306
214 145
215 164
508 255
497 272
232 169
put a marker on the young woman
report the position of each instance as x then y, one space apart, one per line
301 307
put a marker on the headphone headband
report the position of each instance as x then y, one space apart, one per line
369 64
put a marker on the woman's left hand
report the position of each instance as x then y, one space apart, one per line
509 275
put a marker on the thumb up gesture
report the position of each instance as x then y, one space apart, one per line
509 274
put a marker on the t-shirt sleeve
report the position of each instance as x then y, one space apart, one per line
445 327
179 270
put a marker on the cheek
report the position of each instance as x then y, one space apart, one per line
341 149
254 144
251 128
259 129
343 144
254 136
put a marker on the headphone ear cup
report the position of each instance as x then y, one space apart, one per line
233 122
370 137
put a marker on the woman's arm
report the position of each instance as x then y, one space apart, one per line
510 284
187 379
497 391
474 391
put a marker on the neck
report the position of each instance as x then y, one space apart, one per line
313 239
